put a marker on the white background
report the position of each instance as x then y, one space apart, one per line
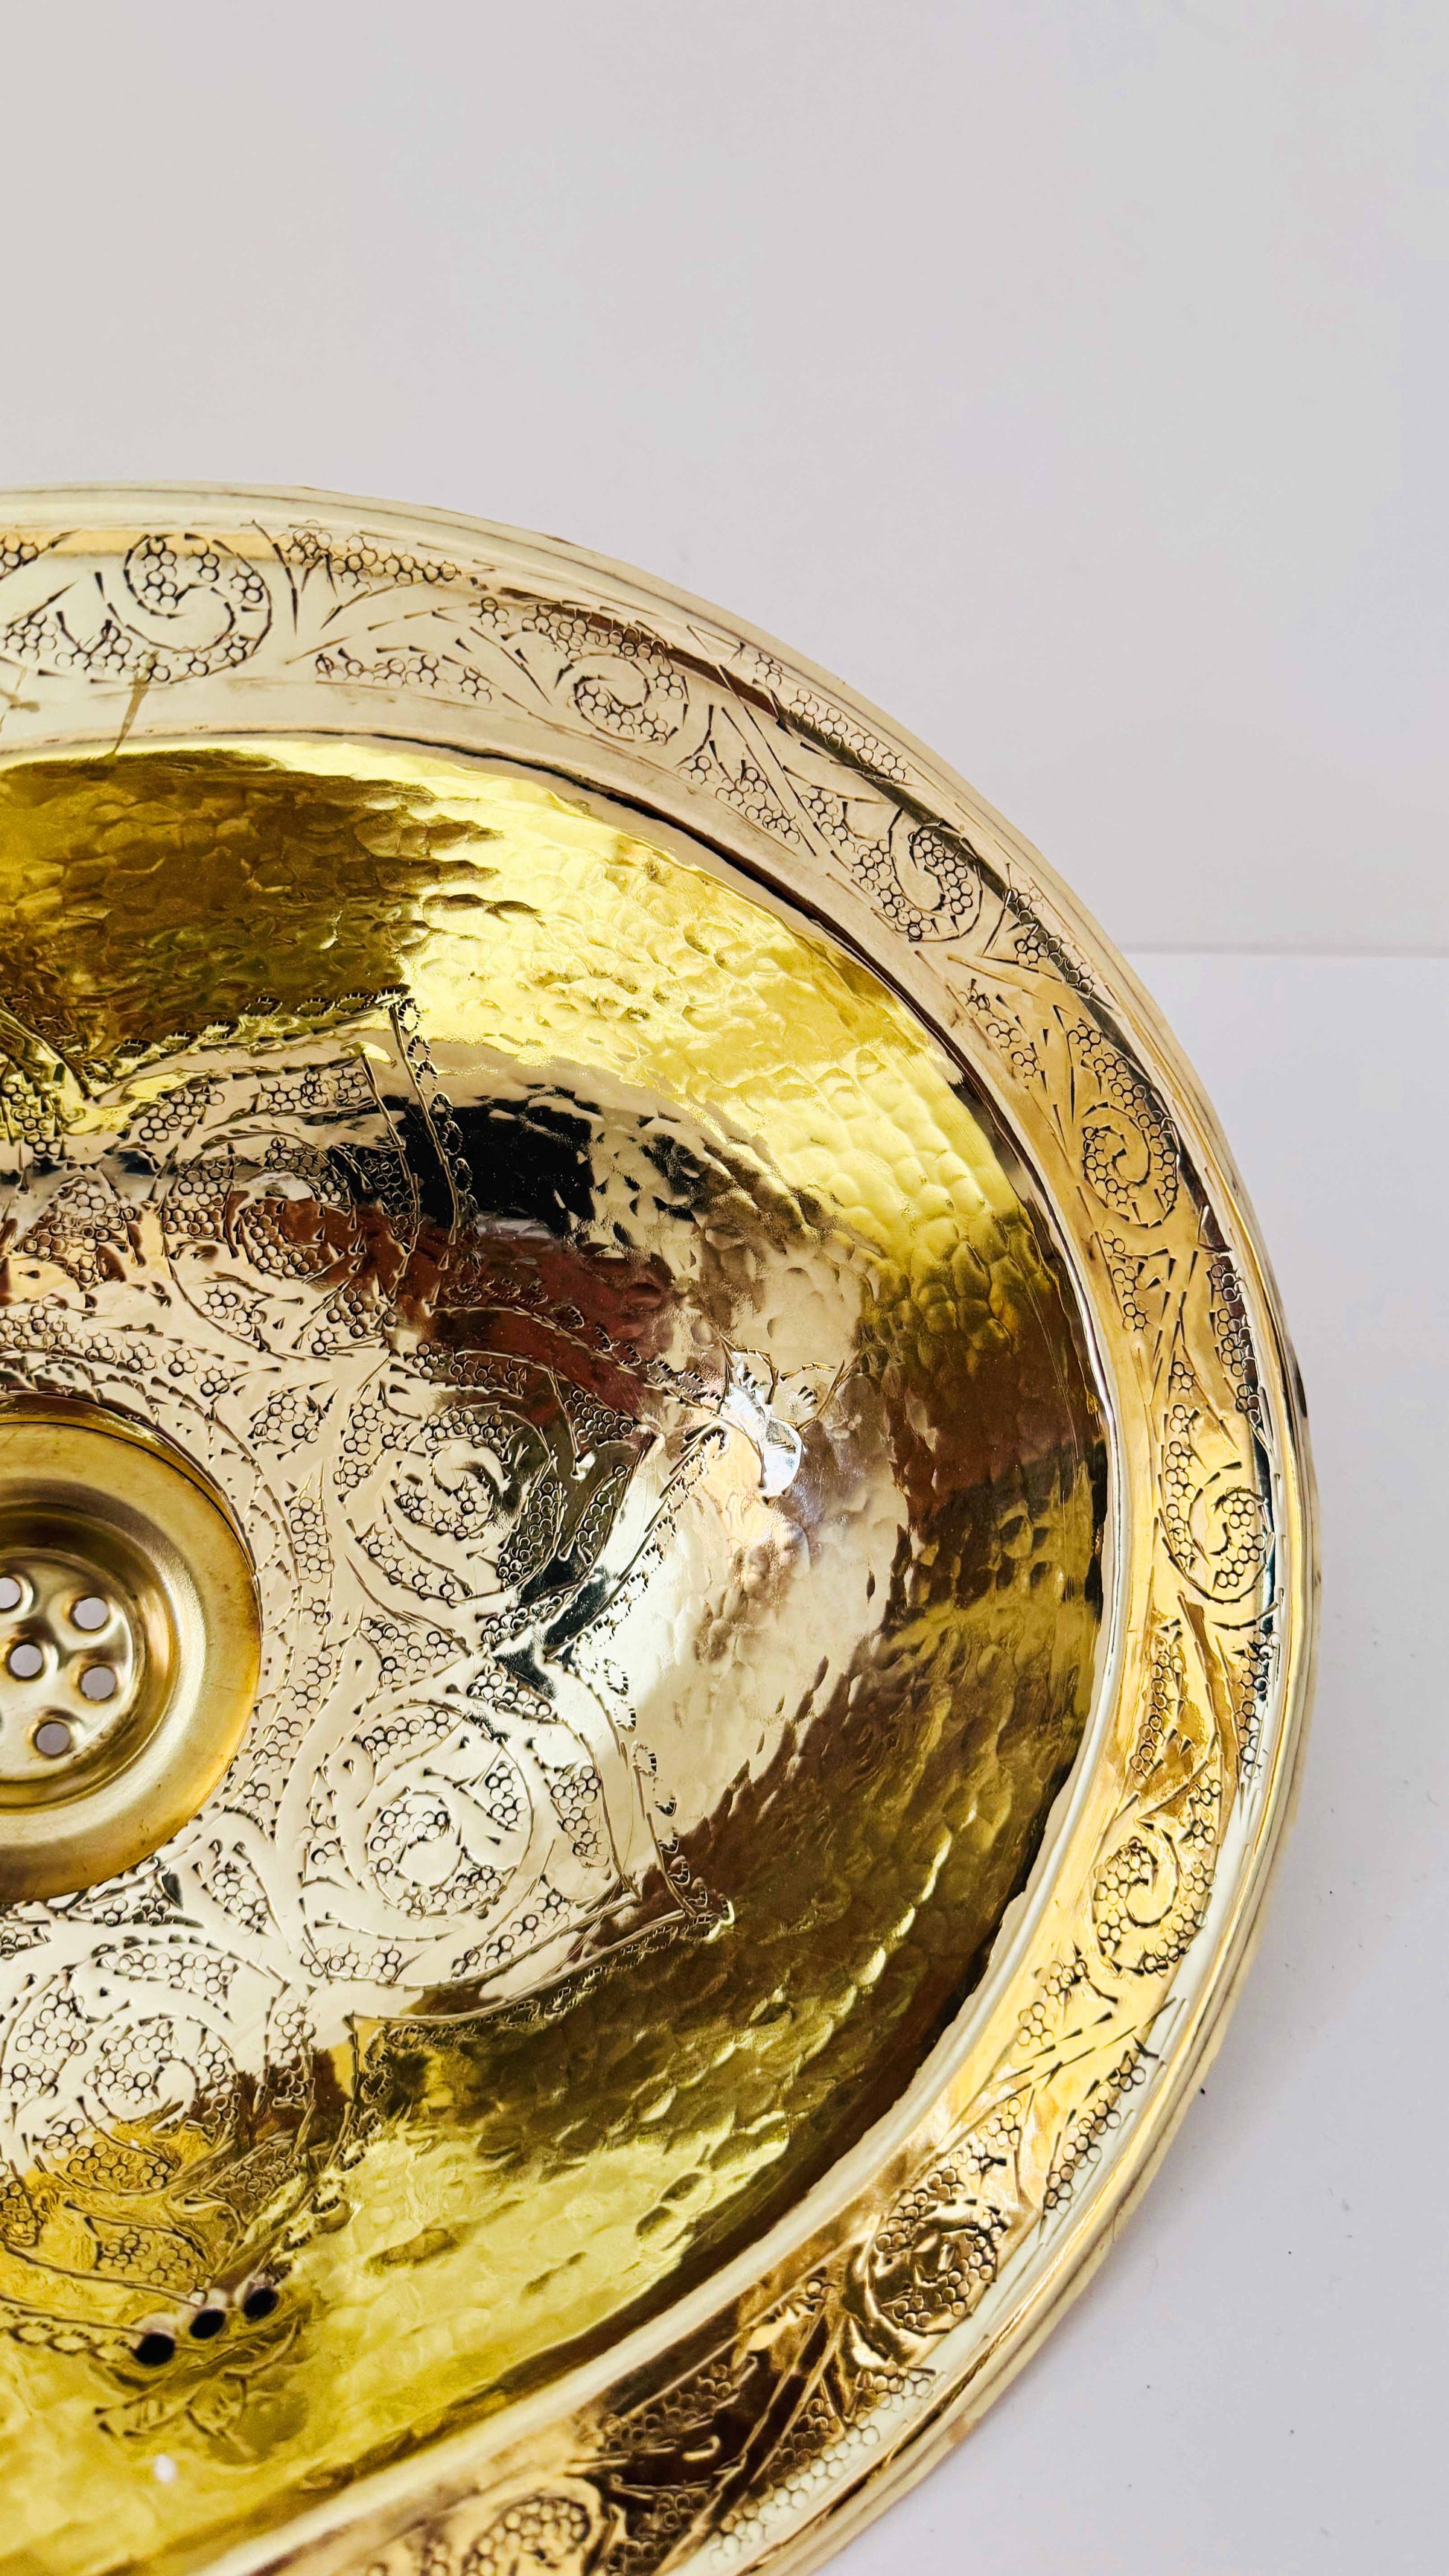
1070 375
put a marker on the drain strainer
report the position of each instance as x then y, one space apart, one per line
129 1645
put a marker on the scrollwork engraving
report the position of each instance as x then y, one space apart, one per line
175 607
467 1794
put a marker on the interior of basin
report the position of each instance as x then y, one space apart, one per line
659 1415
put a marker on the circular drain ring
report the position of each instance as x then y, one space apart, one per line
96 1512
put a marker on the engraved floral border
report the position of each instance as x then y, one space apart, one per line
158 617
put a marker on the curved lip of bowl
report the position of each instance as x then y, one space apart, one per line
1020 2306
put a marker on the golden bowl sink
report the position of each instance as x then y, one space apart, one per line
656 1566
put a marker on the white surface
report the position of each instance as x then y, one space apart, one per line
1070 376
1255 2382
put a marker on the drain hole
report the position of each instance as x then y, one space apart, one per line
52 1737
154 2347
11 1592
206 2323
26 1660
88 1614
98 1683
259 2302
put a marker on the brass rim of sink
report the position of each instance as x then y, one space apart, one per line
350 856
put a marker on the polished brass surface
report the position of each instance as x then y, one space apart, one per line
713 1324
675 1485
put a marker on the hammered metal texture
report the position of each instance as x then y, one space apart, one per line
758 2395
662 1424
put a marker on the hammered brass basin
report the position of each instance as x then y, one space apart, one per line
665 1441
669 1410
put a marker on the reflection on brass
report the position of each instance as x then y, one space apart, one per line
715 1429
